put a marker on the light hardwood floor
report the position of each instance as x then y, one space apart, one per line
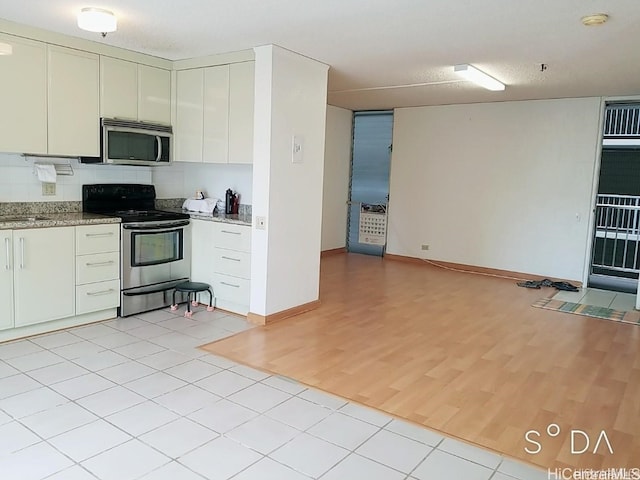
463 354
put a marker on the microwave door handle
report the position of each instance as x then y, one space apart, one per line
159 147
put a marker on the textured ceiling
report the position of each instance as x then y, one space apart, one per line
388 43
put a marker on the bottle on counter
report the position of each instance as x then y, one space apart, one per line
236 204
228 201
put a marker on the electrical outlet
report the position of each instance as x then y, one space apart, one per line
48 189
261 223
425 247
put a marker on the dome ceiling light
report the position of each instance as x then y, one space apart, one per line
97 20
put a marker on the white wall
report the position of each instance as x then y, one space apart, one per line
290 99
18 182
181 180
499 185
335 189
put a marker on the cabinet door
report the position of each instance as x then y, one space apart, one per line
74 113
23 96
202 238
154 95
6 279
241 99
216 114
118 88
44 265
189 112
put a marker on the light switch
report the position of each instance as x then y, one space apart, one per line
297 149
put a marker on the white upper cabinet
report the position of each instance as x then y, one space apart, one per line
118 89
216 114
188 130
154 95
73 112
131 91
23 96
241 99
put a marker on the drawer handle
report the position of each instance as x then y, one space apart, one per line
100 264
230 285
103 292
231 233
231 258
107 234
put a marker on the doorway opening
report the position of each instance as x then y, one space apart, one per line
369 182
615 258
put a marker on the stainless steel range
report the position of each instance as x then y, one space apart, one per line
155 244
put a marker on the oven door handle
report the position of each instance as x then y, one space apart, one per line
145 290
155 227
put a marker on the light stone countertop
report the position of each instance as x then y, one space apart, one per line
43 220
216 217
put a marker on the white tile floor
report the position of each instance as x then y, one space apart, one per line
599 298
134 398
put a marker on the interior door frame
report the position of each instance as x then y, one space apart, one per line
350 202
590 242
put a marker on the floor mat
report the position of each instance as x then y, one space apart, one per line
589 310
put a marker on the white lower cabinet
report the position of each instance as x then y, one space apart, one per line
43 271
232 266
6 280
232 293
221 257
97 267
201 253
57 277
94 297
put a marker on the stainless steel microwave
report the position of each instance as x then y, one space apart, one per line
124 142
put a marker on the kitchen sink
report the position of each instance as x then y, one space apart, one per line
25 218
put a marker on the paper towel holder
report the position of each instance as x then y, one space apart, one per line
61 168
43 159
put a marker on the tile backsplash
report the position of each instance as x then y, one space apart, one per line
18 181
182 179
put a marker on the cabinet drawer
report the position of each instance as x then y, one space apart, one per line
232 289
97 296
232 237
231 262
97 239
97 267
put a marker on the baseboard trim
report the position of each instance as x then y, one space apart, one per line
460 267
333 251
257 319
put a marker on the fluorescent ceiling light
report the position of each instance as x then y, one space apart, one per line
595 19
478 77
5 49
97 20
